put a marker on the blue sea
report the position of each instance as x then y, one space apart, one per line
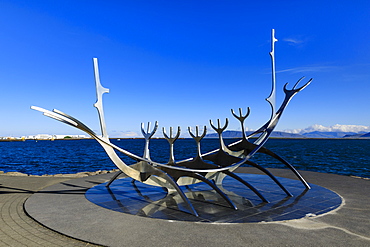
344 157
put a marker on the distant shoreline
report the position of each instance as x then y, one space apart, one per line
141 138
86 174
71 175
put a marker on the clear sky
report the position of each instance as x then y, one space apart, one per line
181 62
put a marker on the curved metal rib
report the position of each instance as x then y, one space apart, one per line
171 181
233 175
268 173
214 186
248 146
287 164
107 144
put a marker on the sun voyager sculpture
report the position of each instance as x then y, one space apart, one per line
210 168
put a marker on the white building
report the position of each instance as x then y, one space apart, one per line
43 137
53 137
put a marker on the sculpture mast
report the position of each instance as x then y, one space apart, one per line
100 90
272 98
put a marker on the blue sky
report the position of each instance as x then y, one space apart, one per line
181 62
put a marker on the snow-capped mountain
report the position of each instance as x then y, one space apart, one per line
355 129
335 131
314 131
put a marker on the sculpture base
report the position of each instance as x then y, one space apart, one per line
154 202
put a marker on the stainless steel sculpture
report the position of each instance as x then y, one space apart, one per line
220 163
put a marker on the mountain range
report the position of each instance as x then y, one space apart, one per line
367 135
282 134
313 131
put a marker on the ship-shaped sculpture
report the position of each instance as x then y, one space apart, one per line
210 168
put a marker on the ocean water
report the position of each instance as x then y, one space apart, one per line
344 157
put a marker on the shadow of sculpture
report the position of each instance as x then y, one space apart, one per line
127 196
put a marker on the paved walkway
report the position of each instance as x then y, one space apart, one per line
16 228
347 226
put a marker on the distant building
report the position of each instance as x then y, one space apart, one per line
69 136
11 138
43 137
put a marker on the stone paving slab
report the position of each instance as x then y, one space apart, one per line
349 225
16 227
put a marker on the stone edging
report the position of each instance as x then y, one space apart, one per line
73 175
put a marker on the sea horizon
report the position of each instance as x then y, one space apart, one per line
339 156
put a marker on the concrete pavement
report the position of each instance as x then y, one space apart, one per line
18 229
348 225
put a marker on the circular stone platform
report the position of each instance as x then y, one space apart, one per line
139 216
138 199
